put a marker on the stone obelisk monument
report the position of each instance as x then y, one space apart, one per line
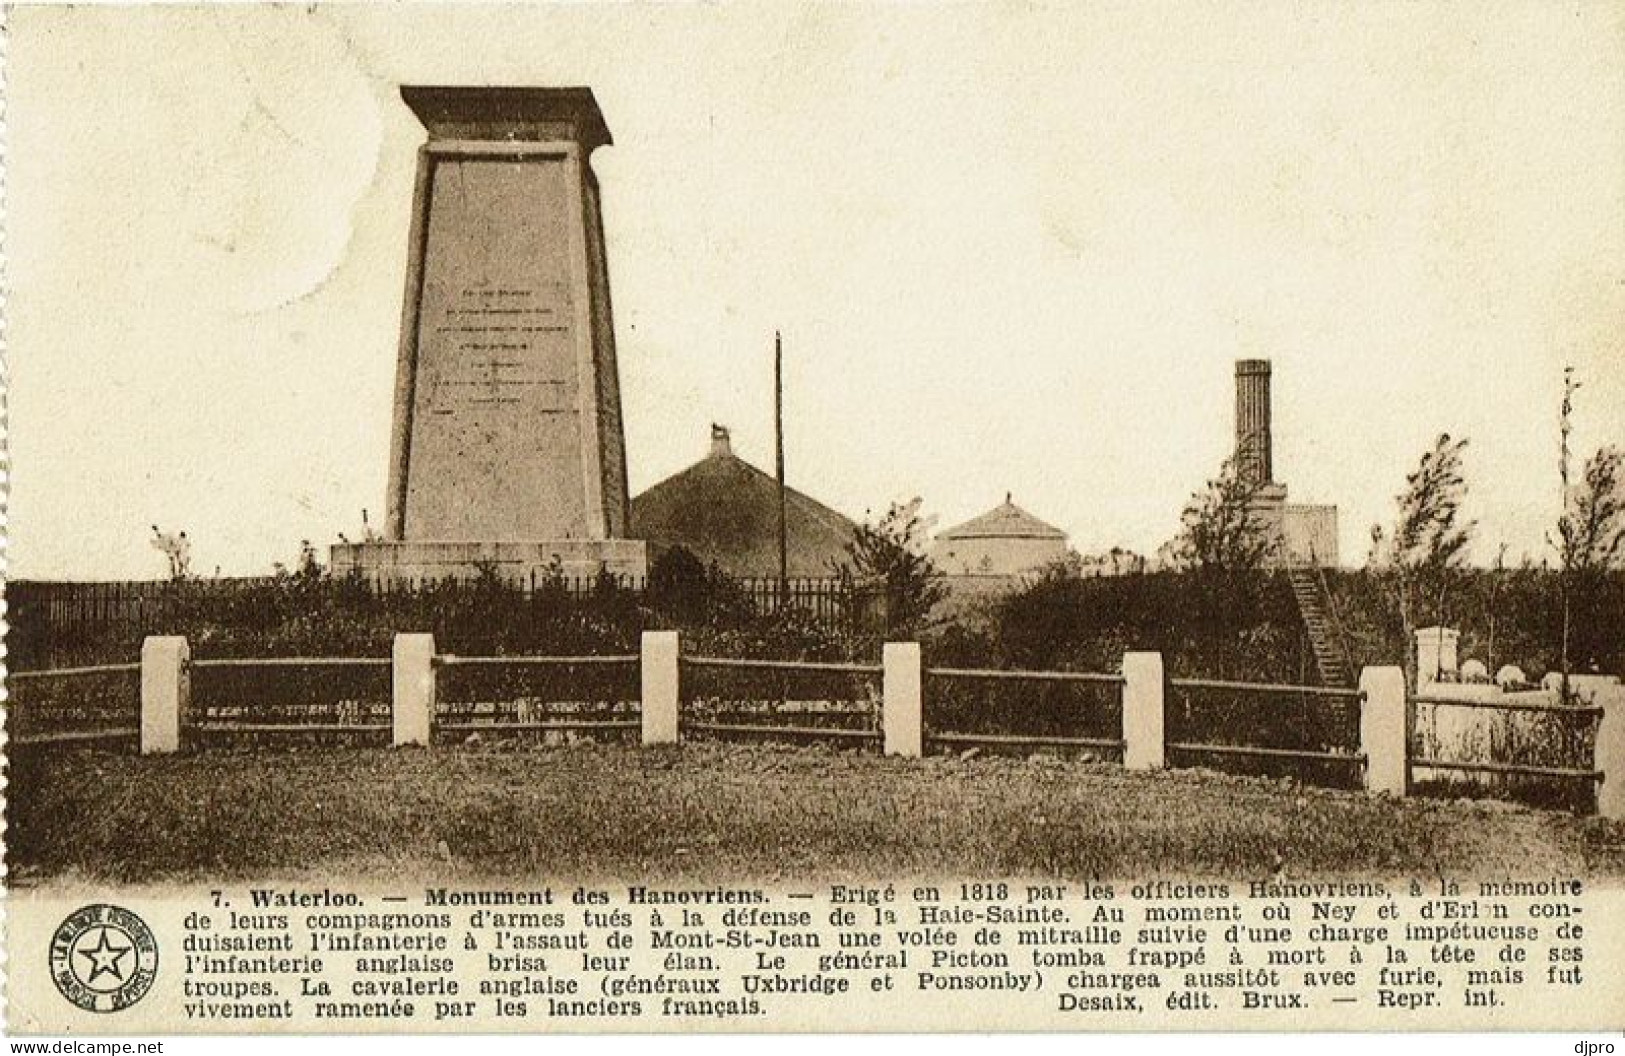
507 450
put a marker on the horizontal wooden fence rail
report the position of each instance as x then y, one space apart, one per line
887 702
1522 769
784 730
1269 753
1585 710
1268 688
781 665
538 725
291 661
1017 740
214 726
1007 674
87 736
452 660
73 672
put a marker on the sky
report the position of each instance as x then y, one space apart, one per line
1012 248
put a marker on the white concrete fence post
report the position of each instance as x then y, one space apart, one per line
413 687
1609 754
166 693
902 705
662 692
1385 730
1144 747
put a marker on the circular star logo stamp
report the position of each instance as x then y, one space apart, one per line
104 958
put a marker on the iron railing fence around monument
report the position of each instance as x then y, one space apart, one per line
54 624
828 599
999 709
797 700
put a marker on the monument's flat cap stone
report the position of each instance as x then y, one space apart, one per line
505 113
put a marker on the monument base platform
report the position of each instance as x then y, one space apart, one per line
398 563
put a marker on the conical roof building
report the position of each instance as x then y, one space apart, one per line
1005 541
726 512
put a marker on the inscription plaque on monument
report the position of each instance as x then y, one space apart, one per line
507 447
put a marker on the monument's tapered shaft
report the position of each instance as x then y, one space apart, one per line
507 444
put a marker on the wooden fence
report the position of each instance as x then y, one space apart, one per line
1562 748
659 696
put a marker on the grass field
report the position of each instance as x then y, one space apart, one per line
711 812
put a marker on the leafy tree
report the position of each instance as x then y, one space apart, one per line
1221 528
1597 514
888 556
1430 538
687 590
1070 565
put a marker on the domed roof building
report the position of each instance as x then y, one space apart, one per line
1005 541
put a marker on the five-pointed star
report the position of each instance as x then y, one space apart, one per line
104 957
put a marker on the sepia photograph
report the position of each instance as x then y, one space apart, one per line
800 518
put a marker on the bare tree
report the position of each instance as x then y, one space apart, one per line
177 551
1496 576
1430 538
1567 544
